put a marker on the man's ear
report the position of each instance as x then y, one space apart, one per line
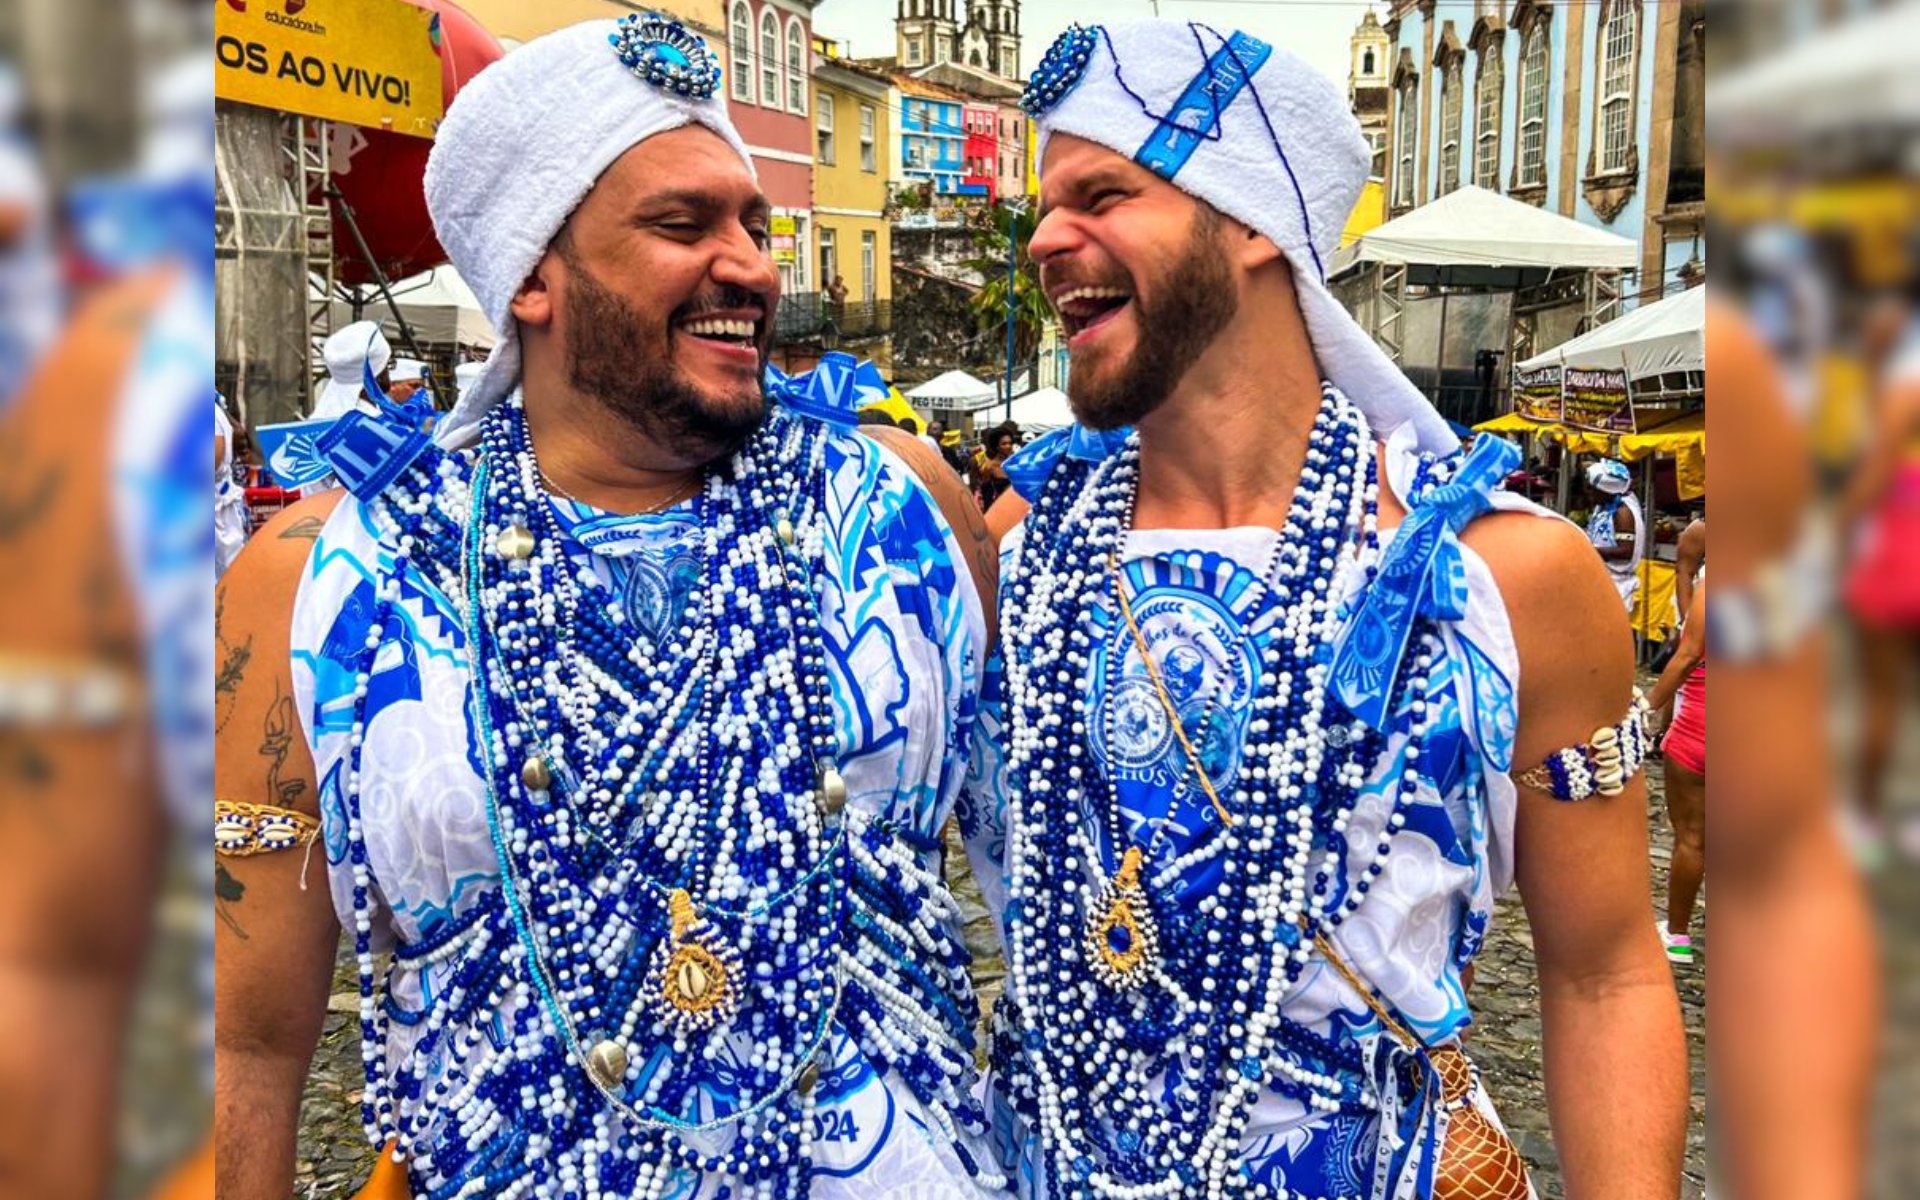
1253 248
533 303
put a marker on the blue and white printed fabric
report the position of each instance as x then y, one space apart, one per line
1207 622
906 639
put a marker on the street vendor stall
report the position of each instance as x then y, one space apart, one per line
1631 390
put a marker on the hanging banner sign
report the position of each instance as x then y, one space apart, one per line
1536 394
784 239
368 62
1597 399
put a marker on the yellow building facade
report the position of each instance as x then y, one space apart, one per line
853 128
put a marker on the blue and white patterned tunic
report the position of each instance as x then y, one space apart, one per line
905 636
1207 621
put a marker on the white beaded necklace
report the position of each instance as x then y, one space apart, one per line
1094 1043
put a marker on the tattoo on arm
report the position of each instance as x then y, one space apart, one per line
233 668
228 891
27 489
276 743
306 529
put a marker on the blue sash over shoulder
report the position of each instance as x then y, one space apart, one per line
1029 470
835 391
1421 574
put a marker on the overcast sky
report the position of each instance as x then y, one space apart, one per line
1316 30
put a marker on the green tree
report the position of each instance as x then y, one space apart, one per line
1031 311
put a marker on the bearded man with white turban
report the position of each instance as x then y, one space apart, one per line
626 717
1288 693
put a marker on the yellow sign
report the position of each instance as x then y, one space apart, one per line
365 62
779 226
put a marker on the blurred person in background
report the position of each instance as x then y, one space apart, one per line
1616 527
1880 516
351 354
406 376
989 464
30 292
1683 683
106 610
1791 1061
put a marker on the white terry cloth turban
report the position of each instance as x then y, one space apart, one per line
1262 137
525 141
408 370
351 353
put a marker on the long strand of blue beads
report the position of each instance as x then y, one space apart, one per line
590 856
1288 875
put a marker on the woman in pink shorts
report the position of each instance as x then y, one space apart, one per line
1685 682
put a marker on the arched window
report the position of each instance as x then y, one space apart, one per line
1619 60
1366 62
1531 167
796 66
769 59
1486 117
1450 111
740 43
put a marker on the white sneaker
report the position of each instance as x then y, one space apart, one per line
1679 945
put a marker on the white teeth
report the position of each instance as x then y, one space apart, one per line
739 329
1091 293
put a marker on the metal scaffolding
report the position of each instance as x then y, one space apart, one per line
263 230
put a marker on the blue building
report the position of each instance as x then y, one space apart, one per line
1593 109
933 137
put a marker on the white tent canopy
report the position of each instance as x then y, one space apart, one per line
437 304
954 391
1044 409
1471 227
1858 72
1654 339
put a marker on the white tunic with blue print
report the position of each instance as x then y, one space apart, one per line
1207 621
905 640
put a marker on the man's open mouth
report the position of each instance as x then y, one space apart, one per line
1085 308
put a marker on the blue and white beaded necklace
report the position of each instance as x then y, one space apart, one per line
1168 1005
681 896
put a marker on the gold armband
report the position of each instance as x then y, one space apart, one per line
243 830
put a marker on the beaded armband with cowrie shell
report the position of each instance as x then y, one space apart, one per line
243 830
1601 765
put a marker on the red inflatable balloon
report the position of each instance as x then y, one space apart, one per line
379 173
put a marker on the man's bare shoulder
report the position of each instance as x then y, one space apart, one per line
1569 628
269 567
